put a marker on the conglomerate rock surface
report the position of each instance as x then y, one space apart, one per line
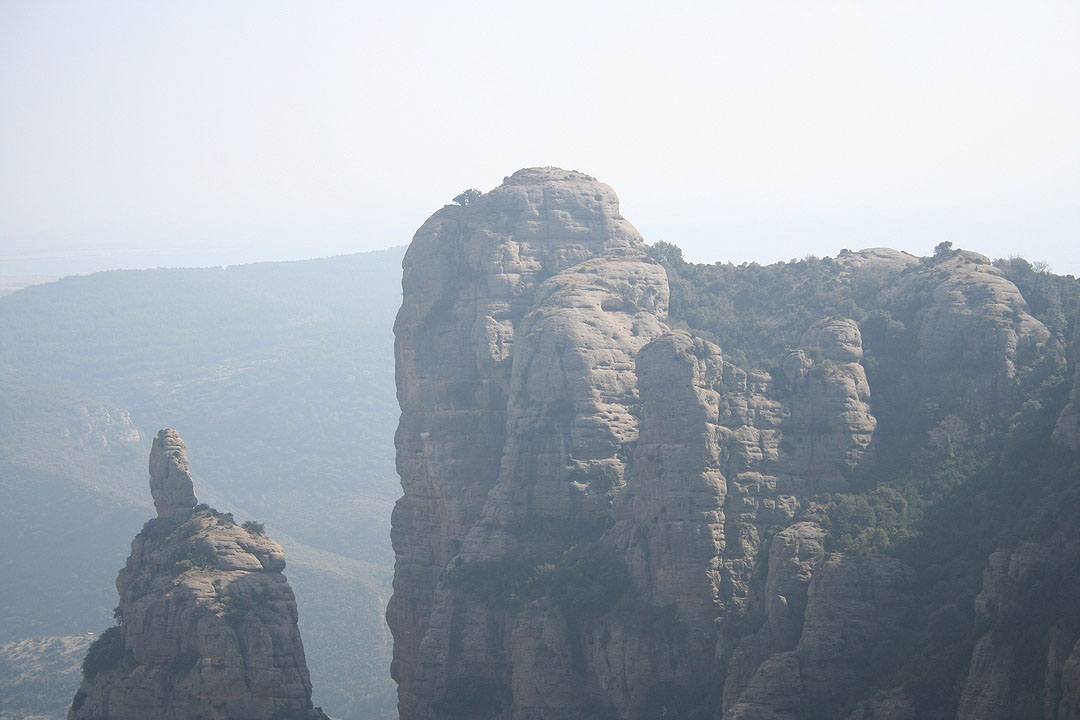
605 517
552 422
207 620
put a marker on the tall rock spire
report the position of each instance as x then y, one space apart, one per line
588 496
170 476
207 622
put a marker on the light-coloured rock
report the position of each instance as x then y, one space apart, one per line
548 411
879 262
544 400
793 554
970 316
208 622
170 476
521 315
828 432
102 427
852 601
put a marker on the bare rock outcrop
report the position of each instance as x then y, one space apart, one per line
170 476
470 278
794 553
828 432
971 316
517 401
999 678
604 516
852 602
553 426
207 620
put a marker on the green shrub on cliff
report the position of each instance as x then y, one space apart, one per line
106 653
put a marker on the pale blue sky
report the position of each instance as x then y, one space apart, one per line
144 133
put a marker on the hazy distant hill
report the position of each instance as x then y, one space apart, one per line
280 378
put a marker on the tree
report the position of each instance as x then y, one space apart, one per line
468 197
943 249
253 527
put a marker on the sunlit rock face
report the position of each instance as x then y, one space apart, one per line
522 313
207 619
170 476
589 496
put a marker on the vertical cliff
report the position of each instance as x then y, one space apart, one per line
207 622
590 497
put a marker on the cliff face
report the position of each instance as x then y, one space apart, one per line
207 620
605 516
1067 430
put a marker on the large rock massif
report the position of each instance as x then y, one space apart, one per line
605 517
207 620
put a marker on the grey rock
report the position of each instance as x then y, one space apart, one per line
971 316
828 432
1067 430
1069 705
852 601
208 621
521 315
170 476
891 705
794 553
547 408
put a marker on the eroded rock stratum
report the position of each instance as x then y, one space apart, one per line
207 621
607 517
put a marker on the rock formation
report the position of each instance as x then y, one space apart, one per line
608 515
170 477
556 433
207 620
972 317
1067 430
998 683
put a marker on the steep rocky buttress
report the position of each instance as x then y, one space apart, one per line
590 496
207 622
606 515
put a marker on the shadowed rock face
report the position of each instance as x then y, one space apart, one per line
1067 431
208 622
170 477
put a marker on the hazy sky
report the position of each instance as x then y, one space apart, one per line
144 133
